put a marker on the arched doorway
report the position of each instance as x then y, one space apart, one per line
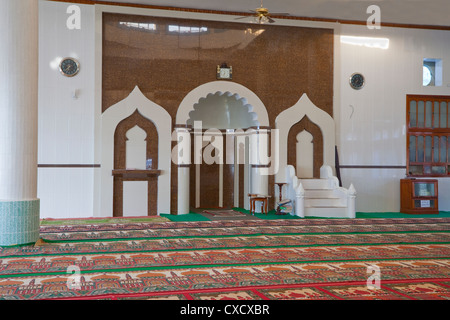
220 116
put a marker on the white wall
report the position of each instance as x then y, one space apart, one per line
372 120
66 125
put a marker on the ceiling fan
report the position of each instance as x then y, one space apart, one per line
262 15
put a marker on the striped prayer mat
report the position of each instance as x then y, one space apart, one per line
319 259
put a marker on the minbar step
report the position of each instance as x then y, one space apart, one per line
325 202
331 212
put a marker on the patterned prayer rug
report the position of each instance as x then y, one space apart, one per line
224 213
414 290
319 259
120 220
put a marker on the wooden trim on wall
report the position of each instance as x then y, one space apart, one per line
370 167
341 21
69 165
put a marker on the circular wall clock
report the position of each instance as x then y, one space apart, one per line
357 81
69 67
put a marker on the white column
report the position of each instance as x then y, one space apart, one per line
300 201
183 158
19 206
258 158
351 202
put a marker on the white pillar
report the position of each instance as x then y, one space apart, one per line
19 206
351 202
183 158
254 162
300 201
259 161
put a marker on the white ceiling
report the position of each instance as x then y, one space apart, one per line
423 12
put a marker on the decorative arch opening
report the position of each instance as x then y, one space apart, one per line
223 111
253 102
305 124
136 146
131 197
120 139
305 155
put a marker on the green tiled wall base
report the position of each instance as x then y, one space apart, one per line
19 222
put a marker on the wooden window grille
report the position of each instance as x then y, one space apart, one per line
428 135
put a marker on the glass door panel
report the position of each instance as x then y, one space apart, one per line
424 203
423 189
413 114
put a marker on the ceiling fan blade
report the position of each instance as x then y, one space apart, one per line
279 14
270 20
243 17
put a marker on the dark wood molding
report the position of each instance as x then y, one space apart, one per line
69 165
260 166
371 167
341 21
125 173
427 97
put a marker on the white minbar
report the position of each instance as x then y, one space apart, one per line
19 205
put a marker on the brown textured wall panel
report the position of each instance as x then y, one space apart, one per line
278 63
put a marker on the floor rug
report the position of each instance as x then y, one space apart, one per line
224 213
119 220
316 259
394 290
219 230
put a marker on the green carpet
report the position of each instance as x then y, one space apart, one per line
191 216
368 215
272 216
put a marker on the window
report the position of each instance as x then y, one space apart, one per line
428 135
186 29
138 25
432 72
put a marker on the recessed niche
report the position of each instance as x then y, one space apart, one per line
432 72
223 111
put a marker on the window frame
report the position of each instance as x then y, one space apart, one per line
430 134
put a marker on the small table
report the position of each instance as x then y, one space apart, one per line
264 203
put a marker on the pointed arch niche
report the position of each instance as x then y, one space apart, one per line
307 156
138 118
305 116
135 141
233 110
